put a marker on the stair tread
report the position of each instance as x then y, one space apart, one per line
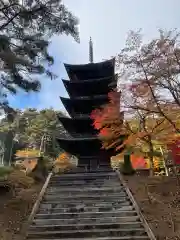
122 199
91 224
84 213
92 188
88 230
75 198
85 174
100 238
118 194
78 210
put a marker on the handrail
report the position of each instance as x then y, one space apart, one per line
37 203
135 205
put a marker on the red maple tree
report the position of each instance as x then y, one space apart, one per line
108 120
138 130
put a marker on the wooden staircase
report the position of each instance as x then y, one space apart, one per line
95 205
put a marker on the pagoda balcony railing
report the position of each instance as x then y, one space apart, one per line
74 136
91 97
85 135
75 80
80 115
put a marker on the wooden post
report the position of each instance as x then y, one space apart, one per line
165 167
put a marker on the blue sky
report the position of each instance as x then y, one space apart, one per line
108 22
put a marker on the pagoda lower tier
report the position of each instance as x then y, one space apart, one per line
88 151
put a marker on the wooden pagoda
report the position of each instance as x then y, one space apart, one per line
88 89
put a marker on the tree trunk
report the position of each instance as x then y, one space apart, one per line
151 170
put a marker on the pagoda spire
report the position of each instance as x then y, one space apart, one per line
90 50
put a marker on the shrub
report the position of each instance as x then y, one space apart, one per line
126 167
18 179
4 171
62 163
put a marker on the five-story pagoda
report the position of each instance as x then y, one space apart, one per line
88 89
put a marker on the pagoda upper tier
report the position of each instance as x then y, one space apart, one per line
90 87
83 104
90 71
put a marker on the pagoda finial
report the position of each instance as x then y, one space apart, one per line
90 50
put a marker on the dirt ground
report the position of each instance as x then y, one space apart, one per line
15 210
159 201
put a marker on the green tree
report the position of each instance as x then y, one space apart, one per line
35 129
26 28
42 129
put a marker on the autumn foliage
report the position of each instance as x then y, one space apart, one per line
174 147
62 163
133 128
29 159
27 153
108 120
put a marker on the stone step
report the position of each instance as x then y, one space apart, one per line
85 193
83 197
83 209
88 221
85 174
90 190
77 184
108 232
53 198
82 170
85 178
85 226
101 238
84 215
86 202
84 181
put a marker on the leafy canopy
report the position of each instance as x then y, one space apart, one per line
26 28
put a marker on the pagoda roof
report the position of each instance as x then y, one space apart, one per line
91 86
74 119
92 81
77 139
91 70
83 105
80 146
76 126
